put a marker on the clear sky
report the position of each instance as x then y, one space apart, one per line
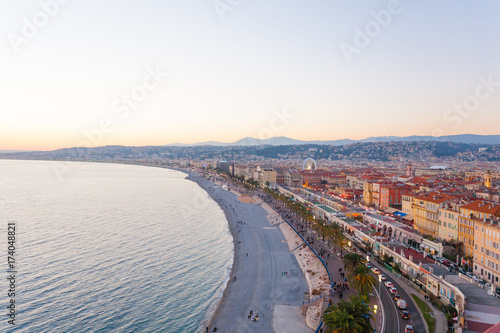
88 72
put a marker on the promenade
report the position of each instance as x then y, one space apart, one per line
331 256
256 282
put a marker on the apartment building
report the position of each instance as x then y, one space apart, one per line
487 249
267 175
469 214
448 221
425 209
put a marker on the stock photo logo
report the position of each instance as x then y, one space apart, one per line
364 36
32 25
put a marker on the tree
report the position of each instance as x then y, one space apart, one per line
351 260
387 258
361 279
351 316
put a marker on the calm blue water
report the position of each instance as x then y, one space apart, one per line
110 248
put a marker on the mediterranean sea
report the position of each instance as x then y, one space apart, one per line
110 248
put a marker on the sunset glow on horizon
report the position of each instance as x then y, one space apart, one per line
161 72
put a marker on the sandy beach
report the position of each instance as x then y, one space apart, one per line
266 278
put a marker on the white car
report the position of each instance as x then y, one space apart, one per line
375 270
383 277
389 284
393 290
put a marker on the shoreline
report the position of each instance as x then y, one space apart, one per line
261 285
195 178
277 300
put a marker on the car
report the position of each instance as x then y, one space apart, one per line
397 297
368 265
383 277
389 284
461 270
469 274
375 270
401 304
393 290
446 262
405 314
409 329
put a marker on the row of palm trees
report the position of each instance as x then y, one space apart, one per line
354 315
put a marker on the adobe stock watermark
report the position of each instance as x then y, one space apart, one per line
278 123
372 29
225 6
461 111
31 26
122 108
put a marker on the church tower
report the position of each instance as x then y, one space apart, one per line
409 170
487 179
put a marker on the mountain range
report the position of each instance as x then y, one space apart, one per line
284 141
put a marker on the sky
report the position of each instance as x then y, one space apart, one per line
155 72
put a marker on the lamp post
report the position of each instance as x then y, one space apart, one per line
379 286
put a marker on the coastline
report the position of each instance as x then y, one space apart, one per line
204 184
261 256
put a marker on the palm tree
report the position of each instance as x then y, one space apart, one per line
351 316
361 279
351 260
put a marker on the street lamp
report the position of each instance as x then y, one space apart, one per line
379 284
375 307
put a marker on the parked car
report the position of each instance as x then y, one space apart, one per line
383 277
409 329
461 270
375 270
393 290
469 274
405 314
389 284
401 304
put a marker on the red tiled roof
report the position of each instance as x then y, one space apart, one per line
483 207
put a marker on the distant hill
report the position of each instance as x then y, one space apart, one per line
284 141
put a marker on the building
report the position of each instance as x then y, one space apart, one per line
406 203
391 194
487 178
425 209
293 178
448 221
267 175
487 249
469 214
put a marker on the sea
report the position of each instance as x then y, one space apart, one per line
108 248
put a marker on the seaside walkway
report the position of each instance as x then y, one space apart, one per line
256 282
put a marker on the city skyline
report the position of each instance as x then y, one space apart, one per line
156 73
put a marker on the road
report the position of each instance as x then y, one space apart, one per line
391 310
